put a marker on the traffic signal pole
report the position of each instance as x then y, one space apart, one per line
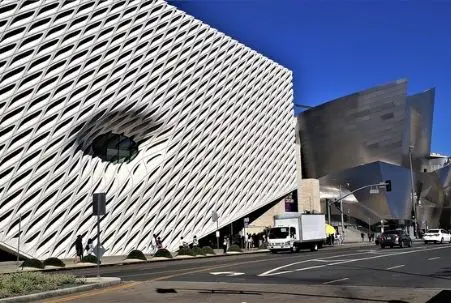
386 185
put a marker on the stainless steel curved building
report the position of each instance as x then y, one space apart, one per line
368 137
169 117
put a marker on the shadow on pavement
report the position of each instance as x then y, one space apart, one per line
442 297
235 292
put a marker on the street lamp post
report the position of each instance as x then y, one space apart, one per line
411 147
342 216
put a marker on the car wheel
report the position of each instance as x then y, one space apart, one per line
441 241
426 242
382 246
391 246
274 251
410 243
401 244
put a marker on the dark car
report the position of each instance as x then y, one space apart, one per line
395 238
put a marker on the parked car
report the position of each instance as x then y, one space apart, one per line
395 238
437 236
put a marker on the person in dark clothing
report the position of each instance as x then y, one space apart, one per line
79 249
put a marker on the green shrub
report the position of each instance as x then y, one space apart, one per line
208 250
136 254
54 262
27 282
197 251
35 263
235 248
163 252
90 259
185 252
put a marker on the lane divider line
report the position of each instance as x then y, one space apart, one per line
334 281
434 258
393 267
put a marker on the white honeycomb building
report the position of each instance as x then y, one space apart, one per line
169 117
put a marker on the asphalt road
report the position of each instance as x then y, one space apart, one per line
399 272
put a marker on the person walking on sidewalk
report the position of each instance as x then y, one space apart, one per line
78 249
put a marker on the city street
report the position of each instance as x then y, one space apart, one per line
339 274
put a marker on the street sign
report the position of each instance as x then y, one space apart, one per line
217 234
374 191
100 251
99 204
214 216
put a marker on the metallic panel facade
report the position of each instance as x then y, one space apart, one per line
363 139
213 120
353 130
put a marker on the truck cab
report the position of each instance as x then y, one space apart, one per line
282 238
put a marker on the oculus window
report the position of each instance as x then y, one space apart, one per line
114 148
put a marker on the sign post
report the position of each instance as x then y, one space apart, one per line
215 218
98 209
18 241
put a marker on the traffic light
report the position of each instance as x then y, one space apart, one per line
388 185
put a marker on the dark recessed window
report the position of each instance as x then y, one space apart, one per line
114 148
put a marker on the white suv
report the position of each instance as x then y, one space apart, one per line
437 235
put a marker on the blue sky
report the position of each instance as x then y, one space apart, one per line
336 48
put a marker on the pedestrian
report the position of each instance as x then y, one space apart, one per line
195 241
224 245
89 246
159 243
78 249
362 235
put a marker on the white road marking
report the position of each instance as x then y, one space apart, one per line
435 258
227 273
339 280
393 267
274 272
311 267
271 272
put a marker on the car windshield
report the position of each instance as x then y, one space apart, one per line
392 232
433 231
278 233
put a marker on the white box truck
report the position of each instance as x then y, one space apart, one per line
294 231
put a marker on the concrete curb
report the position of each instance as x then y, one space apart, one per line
109 281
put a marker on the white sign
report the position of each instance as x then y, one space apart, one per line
374 191
227 273
217 234
246 220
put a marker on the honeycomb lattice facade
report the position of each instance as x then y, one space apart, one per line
212 120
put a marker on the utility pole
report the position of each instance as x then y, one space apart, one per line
342 217
18 240
328 210
411 147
